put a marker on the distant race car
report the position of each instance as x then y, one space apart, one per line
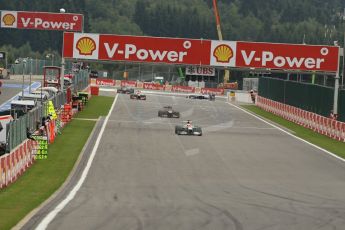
188 129
168 111
125 90
210 97
138 95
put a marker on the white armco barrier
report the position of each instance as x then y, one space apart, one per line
323 125
239 96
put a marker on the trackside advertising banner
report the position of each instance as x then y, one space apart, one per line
200 52
287 56
41 20
136 49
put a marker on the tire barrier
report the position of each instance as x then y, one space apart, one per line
320 124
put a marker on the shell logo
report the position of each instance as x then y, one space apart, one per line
86 46
223 53
8 19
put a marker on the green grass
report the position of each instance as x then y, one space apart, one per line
102 105
322 141
46 176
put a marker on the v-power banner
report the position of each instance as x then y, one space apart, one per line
183 51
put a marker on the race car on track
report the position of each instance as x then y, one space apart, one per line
168 111
125 90
138 95
187 128
210 97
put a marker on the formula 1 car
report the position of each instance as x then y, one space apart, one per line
188 129
167 111
138 95
210 97
125 90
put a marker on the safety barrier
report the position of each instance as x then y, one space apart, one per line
15 163
320 124
156 86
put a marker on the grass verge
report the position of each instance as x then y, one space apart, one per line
98 106
322 141
46 176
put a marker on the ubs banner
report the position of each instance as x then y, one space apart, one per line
184 51
41 20
200 71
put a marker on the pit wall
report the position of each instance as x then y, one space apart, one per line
15 163
155 86
320 124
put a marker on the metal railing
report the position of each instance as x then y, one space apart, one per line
35 66
17 129
80 81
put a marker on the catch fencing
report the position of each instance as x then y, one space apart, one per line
313 98
35 66
18 129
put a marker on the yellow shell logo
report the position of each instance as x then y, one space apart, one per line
8 19
223 53
86 46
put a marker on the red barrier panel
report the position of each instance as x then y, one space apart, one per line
153 86
216 91
183 89
106 82
14 164
2 173
320 124
131 84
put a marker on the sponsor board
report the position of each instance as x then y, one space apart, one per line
231 85
136 48
140 84
215 91
41 20
105 82
201 52
117 83
183 89
287 56
156 86
153 86
168 88
131 84
223 53
200 71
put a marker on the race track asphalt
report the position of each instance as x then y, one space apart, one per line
241 174
9 90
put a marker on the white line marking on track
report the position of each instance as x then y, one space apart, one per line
107 90
290 134
192 152
50 217
84 119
